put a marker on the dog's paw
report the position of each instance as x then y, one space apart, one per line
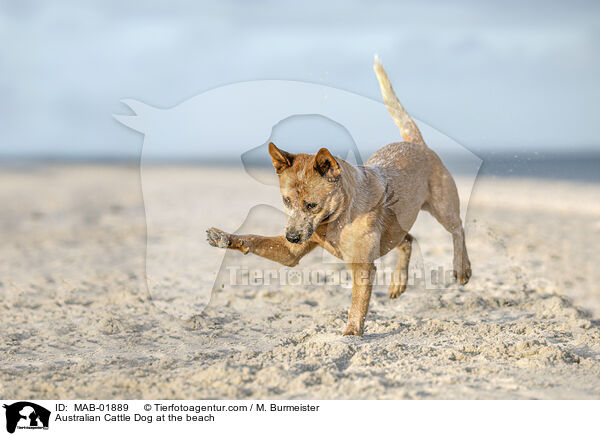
463 277
218 238
396 289
353 330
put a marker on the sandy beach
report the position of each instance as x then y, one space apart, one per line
77 319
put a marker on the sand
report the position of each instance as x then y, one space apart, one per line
78 321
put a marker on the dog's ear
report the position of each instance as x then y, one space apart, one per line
327 166
281 159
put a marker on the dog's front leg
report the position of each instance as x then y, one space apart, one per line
363 275
275 248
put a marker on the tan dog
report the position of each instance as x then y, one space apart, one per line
359 213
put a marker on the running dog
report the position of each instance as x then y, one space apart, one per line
359 213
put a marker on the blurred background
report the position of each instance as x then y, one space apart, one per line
515 82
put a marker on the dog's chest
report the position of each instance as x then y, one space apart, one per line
329 239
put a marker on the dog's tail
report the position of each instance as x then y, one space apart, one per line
408 128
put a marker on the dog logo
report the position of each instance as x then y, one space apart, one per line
26 415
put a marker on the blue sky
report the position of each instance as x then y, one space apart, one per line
494 76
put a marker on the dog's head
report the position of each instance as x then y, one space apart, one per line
310 186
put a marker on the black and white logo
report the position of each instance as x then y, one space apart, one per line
26 415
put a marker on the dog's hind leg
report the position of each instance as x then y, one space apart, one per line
462 265
400 274
443 204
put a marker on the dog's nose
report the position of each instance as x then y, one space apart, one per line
293 237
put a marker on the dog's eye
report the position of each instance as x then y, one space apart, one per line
310 206
286 201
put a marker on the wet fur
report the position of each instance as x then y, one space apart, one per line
362 212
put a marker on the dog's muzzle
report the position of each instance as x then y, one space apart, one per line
293 237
